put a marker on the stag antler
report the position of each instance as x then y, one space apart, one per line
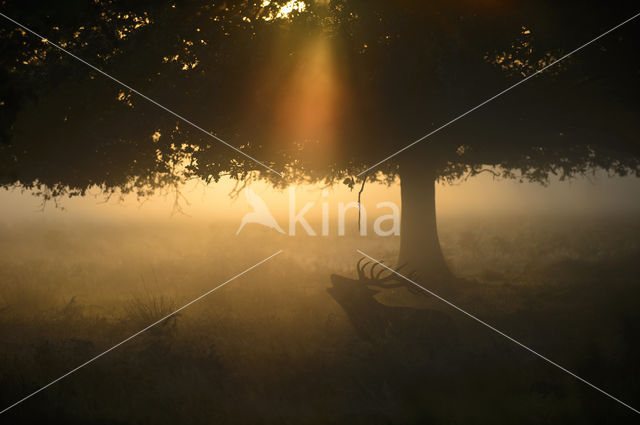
374 278
362 274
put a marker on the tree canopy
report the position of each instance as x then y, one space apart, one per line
319 91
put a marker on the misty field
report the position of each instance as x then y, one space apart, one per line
274 347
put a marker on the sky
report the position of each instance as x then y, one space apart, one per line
479 195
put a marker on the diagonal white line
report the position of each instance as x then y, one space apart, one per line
180 117
500 94
499 332
138 333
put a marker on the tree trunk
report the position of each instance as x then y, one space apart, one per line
419 244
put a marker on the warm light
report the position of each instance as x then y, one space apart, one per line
307 109
285 10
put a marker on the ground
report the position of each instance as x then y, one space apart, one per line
274 347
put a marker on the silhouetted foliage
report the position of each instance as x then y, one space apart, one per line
404 68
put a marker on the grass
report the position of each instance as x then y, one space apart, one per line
273 347
147 308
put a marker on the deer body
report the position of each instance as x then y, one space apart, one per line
375 322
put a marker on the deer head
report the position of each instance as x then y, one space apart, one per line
371 319
358 290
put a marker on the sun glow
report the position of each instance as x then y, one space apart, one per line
308 104
285 10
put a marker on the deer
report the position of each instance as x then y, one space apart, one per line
376 322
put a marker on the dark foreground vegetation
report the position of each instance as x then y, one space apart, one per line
275 347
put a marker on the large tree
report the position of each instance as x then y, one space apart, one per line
319 91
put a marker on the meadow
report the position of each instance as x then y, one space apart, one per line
273 347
